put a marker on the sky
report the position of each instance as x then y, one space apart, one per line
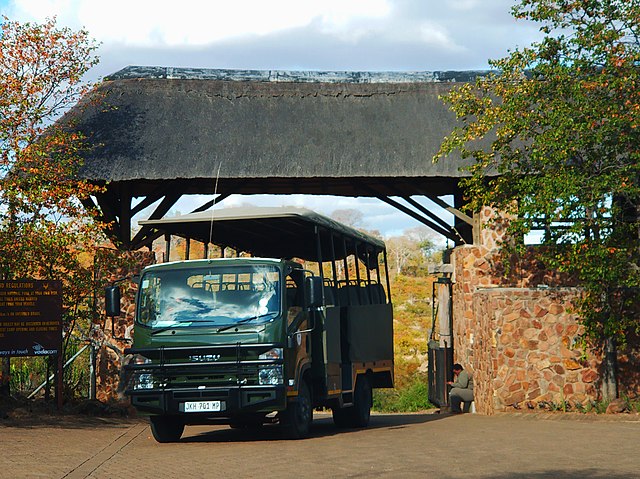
333 35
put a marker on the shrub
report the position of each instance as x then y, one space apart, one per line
413 396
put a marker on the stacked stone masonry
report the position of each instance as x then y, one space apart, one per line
111 336
530 345
517 334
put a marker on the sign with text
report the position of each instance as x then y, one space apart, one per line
30 318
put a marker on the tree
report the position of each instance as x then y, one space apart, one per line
411 250
424 239
349 216
559 121
45 233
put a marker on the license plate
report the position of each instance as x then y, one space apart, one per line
203 406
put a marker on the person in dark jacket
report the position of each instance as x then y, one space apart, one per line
461 389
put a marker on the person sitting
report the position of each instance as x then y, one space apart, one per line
461 389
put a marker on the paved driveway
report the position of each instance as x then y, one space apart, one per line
395 446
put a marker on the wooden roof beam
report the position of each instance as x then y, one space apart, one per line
454 211
425 211
209 204
437 228
160 211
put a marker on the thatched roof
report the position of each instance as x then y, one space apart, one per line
271 132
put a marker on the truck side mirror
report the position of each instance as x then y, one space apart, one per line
314 291
112 300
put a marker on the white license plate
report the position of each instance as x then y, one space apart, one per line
203 406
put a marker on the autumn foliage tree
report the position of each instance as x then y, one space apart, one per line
45 233
561 119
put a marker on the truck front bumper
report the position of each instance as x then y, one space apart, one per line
232 401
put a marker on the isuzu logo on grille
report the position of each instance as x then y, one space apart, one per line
203 358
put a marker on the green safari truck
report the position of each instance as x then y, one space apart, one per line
248 341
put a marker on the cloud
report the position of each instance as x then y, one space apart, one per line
459 34
376 214
199 22
438 36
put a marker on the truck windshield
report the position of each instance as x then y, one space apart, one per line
212 296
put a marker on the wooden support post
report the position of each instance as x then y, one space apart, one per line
125 217
461 224
167 248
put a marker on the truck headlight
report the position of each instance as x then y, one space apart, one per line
272 374
143 381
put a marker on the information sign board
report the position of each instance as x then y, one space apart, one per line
30 318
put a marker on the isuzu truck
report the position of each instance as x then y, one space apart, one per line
301 320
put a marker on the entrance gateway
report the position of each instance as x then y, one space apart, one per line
161 133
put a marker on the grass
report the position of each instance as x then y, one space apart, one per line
412 397
590 407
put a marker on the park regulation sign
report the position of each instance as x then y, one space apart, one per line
30 318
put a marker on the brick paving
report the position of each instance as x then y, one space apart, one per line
395 446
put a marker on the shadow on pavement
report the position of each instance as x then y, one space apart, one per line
68 421
561 473
86 414
322 427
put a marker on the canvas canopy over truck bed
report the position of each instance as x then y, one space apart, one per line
274 233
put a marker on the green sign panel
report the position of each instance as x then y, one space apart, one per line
30 318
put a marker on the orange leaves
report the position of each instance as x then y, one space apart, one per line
43 226
40 71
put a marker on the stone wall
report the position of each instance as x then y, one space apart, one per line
513 328
111 336
530 344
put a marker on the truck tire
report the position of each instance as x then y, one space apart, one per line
299 414
362 398
357 415
166 428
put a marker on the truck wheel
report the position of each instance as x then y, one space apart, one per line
166 428
362 403
299 414
357 415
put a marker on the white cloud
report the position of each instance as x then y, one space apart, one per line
199 22
464 4
437 35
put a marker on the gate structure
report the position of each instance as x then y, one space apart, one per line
160 133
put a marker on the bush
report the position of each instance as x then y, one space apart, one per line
413 396
27 373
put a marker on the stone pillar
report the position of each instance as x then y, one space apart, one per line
110 336
519 341
527 352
